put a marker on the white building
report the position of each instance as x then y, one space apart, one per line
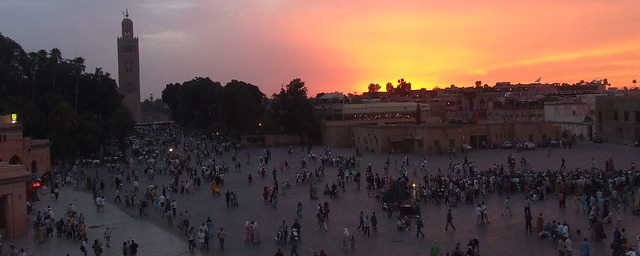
574 117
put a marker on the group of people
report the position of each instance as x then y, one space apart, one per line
196 158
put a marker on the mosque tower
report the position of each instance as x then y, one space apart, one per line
129 68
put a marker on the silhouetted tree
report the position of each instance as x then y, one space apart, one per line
293 111
55 98
205 105
404 87
240 108
389 87
374 87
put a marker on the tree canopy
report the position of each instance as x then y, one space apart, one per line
205 105
240 108
293 110
55 98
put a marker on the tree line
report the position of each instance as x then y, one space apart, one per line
240 108
56 98
402 88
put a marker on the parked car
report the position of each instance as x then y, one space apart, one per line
529 145
466 147
554 144
507 145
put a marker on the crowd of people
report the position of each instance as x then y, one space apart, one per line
155 180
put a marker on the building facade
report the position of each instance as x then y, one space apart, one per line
438 139
21 158
129 68
573 117
618 119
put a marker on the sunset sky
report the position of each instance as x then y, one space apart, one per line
338 45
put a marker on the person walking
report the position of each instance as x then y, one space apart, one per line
125 248
84 247
485 213
294 244
345 239
374 222
539 224
527 219
299 210
419 226
201 236
527 206
209 224
133 248
367 227
585 249
568 247
97 247
507 207
174 207
295 227
191 239
449 221
361 221
221 236
435 248
107 237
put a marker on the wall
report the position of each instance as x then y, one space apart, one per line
435 139
618 130
13 223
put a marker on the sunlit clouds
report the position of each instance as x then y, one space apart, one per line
343 46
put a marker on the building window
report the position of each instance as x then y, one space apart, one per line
615 115
626 116
637 116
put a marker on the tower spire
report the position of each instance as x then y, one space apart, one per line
126 15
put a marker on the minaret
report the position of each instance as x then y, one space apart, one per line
129 68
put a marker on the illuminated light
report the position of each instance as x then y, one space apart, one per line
170 149
35 184
14 118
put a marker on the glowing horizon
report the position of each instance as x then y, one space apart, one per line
343 46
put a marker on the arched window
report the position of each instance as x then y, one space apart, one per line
15 160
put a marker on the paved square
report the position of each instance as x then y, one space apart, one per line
505 235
